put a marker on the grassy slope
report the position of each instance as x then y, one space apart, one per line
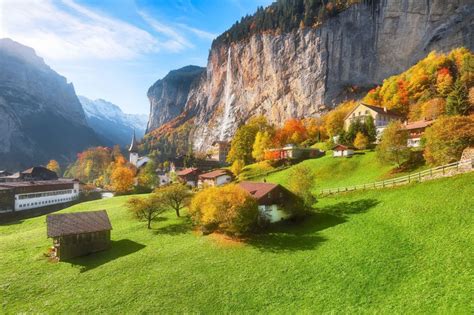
403 250
340 172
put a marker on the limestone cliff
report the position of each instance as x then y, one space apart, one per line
301 73
40 115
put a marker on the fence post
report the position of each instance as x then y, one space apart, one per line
443 169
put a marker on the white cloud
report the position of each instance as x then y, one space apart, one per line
200 33
69 31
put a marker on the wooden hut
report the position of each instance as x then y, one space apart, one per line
79 233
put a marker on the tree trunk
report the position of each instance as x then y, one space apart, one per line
177 212
149 223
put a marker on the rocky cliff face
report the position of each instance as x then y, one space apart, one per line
40 115
169 95
301 73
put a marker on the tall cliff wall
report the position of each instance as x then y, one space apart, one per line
300 73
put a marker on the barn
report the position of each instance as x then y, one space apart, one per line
78 234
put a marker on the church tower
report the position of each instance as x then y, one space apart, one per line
133 151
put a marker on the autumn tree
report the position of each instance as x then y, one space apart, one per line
301 182
433 108
122 179
147 176
148 208
263 141
447 138
237 167
228 209
53 165
393 146
334 120
361 141
174 196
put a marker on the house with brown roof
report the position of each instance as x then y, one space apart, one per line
270 198
215 178
381 116
78 234
416 129
341 150
189 176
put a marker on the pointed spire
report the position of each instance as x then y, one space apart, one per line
133 146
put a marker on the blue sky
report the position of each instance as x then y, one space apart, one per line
116 49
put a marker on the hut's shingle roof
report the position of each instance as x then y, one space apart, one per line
77 223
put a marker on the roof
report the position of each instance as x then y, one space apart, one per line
39 183
377 109
341 147
186 171
214 174
77 223
258 190
418 124
133 145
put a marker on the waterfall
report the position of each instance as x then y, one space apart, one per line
227 118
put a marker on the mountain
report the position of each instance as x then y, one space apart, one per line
111 123
40 115
291 68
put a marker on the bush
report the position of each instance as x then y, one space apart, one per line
393 146
228 209
301 181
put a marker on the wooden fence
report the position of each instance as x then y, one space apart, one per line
440 171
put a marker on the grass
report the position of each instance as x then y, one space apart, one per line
330 172
400 250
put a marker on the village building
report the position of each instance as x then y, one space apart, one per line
77 234
134 157
215 178
292 152
32 174
219 151
189 176
5 173
270 199
29 195
341 150
416 130
381 116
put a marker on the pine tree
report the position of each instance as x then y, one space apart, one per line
457 102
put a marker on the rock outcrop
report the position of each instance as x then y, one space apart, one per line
303 72
40 115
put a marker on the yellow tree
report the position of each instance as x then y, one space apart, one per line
237 167
263 141
361 141
122 179
53 165
393 147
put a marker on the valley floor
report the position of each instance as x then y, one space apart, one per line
400 250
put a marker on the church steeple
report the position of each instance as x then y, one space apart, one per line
133 146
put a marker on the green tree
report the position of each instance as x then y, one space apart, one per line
147 175
457 102
393 146
174 196
370 129
301 182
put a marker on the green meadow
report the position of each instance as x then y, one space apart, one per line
400 250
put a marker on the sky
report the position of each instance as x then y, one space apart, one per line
116 49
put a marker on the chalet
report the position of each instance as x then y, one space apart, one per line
78 234
381 116
270 198
416 130
219 151
215 178
21 196
31 174
341 150
5 173
292 152
189 176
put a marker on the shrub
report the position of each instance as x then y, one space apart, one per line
300 182
393 146
447 138
361 141
229 209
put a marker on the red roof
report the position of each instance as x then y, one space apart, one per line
341 147
214 174
258 190
187 171
418 124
